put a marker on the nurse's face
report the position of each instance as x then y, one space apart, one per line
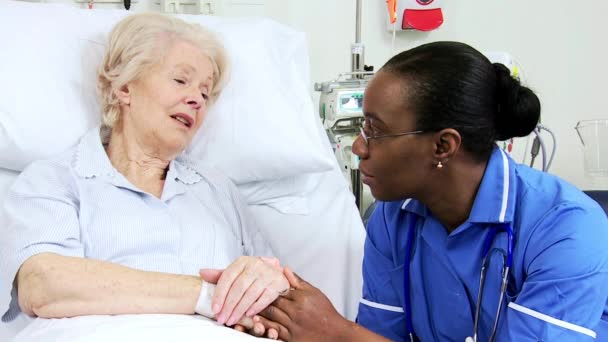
393 167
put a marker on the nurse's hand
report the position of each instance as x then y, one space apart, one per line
304 314
246 287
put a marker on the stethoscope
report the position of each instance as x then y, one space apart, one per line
507 262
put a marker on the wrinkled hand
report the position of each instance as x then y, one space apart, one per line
246 287
303 314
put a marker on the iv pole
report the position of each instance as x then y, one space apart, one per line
357 49
345 124
357 56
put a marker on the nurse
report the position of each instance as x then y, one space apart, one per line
452 202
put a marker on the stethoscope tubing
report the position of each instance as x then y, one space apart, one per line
507 263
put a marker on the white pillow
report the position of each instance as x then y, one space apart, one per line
287 195
263 126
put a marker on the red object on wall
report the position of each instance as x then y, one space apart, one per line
422 20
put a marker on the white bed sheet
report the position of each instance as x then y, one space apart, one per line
149 328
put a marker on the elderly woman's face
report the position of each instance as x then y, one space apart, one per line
167 105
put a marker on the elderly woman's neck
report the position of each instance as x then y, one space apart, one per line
140 164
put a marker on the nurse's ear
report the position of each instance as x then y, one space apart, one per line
446 143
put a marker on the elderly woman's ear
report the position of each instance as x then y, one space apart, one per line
123 95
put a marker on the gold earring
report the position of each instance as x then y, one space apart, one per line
439 165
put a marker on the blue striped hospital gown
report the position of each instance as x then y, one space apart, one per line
78 205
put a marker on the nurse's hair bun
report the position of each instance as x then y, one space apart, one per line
517 107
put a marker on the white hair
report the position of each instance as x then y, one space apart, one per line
139 42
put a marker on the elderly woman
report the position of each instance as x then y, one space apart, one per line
122 222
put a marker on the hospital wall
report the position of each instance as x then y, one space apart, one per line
558 44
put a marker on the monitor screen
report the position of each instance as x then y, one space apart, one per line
351 101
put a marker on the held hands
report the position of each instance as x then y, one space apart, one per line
303 314
246 287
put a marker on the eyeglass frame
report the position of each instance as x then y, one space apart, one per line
367 139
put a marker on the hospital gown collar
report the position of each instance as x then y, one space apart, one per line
185 170
495 200
91 160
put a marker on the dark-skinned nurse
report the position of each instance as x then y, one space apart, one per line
452 202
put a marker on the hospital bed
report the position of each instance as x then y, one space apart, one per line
289 176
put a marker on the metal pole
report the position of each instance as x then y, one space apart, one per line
357 52
357 49
358 27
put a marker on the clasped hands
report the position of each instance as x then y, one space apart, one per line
244 289
258 296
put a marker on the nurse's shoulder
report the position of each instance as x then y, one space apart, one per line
539 193
552 212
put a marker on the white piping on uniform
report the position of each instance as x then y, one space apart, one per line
405 203
552 320
505 186
381 306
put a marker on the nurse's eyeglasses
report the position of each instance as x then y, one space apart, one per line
367 137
